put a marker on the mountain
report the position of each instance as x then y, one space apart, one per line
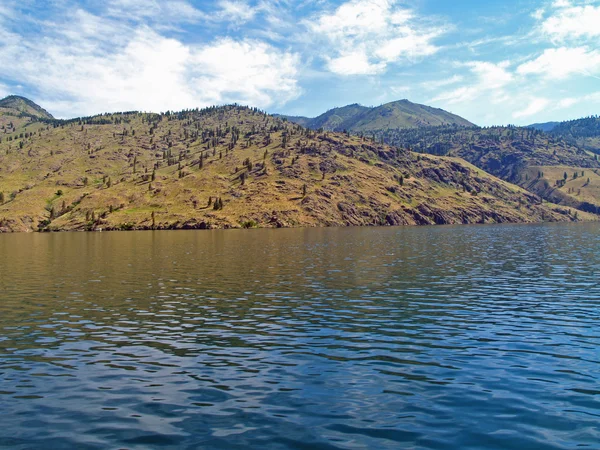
233 167
547 126
532 159
361 119
16 105
300 120
338 119
584 133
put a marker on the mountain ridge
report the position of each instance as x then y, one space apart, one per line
237 167
523 156
18 105
543 126
357 118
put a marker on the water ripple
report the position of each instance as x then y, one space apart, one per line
427 338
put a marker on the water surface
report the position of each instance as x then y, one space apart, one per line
428 338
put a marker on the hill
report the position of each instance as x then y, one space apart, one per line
232 167
523 156
338 119
300 120
19 106
361 119
584 133
17 112
546 127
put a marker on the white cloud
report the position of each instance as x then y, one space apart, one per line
400 90
593 97
567 102
3 90
6 11
570 21
561 63
354 63
561 4
236 11
372 33
437 84
109 67
409 46
458 95
535 106
490 80
538 14
244 71
161 11
491 76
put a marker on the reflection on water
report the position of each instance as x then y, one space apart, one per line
443 337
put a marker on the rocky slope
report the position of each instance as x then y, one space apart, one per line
522 156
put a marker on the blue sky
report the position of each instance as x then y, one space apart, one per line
492 62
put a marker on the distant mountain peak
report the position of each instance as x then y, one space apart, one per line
398 114
21 105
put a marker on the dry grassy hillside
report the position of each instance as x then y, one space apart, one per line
577 187
513 154
236 167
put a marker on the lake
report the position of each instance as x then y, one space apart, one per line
465 337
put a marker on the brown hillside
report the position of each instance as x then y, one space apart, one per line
141 171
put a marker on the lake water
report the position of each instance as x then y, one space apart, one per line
466 337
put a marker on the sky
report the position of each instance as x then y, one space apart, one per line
494 62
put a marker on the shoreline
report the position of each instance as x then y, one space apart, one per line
212 227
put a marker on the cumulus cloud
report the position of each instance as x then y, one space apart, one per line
249 71
354 63
568 21
372 34
104 65
561 63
